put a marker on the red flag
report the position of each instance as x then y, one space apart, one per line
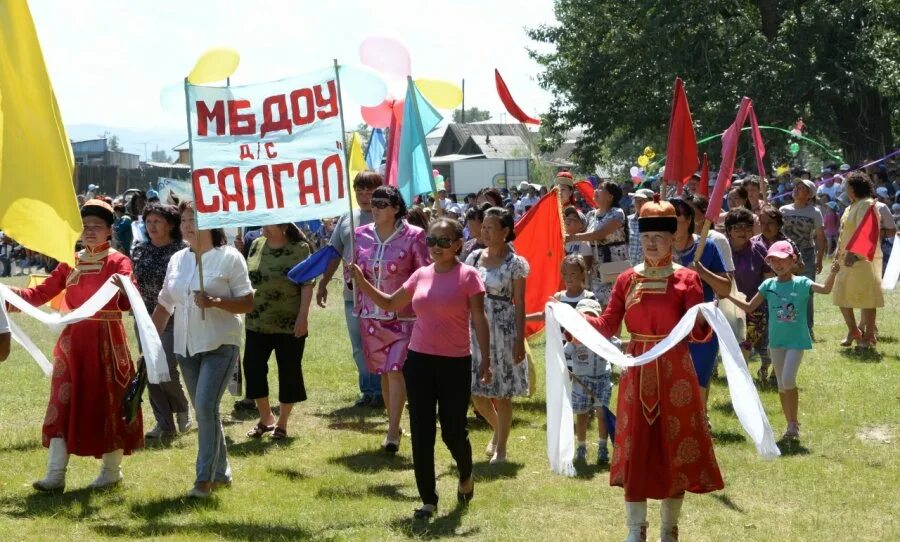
865 238
703 185
726 168
587 192
393 151
539 239
758 145
511 106
681 151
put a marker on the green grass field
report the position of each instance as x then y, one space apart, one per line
331 482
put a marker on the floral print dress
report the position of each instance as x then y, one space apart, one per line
510 379
613 248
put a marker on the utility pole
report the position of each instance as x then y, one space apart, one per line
464 100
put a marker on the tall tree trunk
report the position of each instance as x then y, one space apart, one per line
864 126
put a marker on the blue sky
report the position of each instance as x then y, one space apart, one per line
109 60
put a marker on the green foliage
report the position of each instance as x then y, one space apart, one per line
473 114
160 156
112 141
611 66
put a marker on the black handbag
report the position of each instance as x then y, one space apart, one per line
131 401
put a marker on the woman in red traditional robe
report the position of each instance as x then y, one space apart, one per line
92 363
663 446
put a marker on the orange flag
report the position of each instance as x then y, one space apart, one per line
587 192
539 239
865 238
681 151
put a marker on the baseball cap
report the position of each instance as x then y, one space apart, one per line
643 193
882 192
589 306
780 249
810 186
845 167
92 187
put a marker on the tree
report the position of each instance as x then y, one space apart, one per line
160 156
832 63
472 115
112 141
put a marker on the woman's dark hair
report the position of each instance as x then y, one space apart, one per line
614 190
219 239
491 194
699 202
683 209
476 212
774 213
861 185
416 217
743 194
368 179
391 194
738 216
506 221
294 234
170 214
753 180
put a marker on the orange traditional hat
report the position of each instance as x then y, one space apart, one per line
657 215
565 178
100 209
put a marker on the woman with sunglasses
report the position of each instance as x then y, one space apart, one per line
445 296
388 251
503 273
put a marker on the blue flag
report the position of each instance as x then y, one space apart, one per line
313 266
414 174
375 150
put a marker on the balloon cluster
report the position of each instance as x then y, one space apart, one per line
439 183
639 172
390 58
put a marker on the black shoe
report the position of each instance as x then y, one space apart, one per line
376 402
363 401
426 512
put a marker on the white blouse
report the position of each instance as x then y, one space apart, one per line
224 275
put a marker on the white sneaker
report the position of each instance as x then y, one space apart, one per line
183 421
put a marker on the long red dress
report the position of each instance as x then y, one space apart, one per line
663 447
92 363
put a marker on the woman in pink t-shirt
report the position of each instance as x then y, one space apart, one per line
445 296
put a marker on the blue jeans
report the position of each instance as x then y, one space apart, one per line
206 376
369 384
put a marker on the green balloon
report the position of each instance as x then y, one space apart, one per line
794 148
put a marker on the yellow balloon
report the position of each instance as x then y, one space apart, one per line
440 94
643 160
214 65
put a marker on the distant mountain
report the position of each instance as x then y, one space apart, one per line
132 139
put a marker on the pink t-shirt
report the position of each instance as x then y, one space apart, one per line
441 304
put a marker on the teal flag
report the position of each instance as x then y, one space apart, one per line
414 176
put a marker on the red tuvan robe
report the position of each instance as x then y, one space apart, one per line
92 363
663 446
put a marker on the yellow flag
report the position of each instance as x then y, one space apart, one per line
357 163
37 197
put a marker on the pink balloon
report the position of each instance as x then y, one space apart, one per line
386 55
378 116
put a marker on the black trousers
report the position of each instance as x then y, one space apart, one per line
438 388
288 349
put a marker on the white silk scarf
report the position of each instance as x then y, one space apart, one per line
560 437
154 356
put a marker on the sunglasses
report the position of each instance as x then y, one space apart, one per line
442 242
381 203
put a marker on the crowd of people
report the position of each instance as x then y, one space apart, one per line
433 299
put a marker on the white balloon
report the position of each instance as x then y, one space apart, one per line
362 85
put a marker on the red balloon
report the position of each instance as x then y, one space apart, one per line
378 116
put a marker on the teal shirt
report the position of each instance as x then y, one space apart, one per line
788 306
